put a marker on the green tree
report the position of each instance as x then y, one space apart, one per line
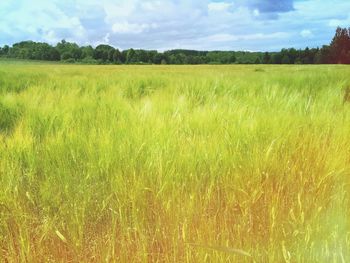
5 50
276 58
130 56
104 53
117 56
266 58
285 59
157 59
68 48
66 55
87 52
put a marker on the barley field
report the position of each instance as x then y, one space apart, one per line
174 163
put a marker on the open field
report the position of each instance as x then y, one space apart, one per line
174 163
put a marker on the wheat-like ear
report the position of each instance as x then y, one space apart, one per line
61 236
346 95
222 249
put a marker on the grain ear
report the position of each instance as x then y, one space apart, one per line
346 95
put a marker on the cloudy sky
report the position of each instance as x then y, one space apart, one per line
256 25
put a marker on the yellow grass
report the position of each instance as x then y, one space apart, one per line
174 163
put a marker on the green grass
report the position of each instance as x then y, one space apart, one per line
174 163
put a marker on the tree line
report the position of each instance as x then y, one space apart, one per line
337 52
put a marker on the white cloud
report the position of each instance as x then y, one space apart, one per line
221 38
44 21
306 33
256 12
219 6
164 24
340 22
106 38
250 37
132 28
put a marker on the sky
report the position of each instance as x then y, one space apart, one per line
251 25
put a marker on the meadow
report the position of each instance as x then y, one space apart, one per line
174 163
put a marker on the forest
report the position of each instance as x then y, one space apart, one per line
337 52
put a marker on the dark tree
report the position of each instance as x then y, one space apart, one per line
104 53
340 46
5 50
266 58
285 59
276 58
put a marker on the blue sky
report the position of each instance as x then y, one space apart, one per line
255 25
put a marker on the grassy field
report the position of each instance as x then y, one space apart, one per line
174 163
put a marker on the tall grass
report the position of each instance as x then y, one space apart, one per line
174 164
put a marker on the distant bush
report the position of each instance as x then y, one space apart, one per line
259 70
69 60
89 60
